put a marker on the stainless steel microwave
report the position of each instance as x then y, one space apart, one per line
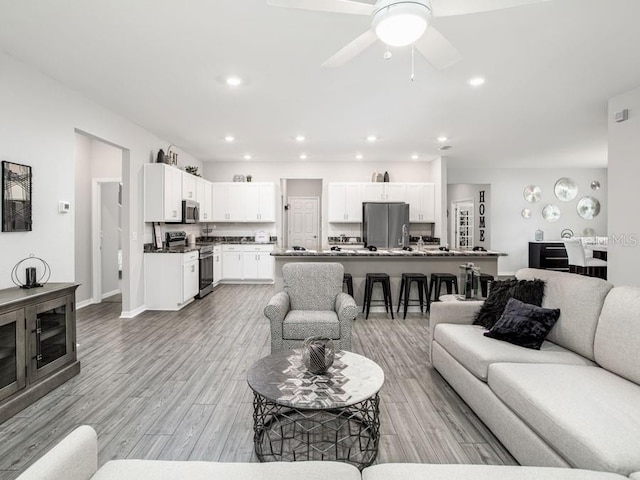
190 211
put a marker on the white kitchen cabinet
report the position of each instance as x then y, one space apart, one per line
171 280
203 195
162 193
232 261
217 264
227 199
258 262
345 203
189 186
259 202
421 198
383 192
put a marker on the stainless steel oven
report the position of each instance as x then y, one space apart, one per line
206 270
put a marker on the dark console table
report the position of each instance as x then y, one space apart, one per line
548 256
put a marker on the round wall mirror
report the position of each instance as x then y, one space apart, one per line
532 193
565 189
551 213
595 185
588 207
526 213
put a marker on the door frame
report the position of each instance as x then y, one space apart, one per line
318 208
96 222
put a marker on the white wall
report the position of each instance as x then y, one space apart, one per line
415 171
38 120
624 191
510 233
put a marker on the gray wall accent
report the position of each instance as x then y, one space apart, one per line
624 194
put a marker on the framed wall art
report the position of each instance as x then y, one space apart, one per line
16 197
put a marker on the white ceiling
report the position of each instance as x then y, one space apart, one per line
550 69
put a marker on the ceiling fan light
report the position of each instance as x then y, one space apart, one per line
401 24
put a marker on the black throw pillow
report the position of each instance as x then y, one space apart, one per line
524 324
527 291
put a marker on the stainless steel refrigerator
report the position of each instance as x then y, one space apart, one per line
385 225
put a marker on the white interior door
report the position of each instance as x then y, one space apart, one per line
464 224
304 222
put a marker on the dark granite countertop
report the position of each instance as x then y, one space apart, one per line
383 253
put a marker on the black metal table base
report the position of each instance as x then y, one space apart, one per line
347 434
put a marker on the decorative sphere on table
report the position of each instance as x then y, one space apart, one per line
317 354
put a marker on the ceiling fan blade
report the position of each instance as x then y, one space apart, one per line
351 49
438 51
336 6
445 8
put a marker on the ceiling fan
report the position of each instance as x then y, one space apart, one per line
402 22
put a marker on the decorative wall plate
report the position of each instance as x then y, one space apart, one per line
526 213
551 213
595 185
532 193
588 207
565 189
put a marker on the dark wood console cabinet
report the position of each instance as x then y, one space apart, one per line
37 343
548 256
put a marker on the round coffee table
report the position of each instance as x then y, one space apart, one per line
301 416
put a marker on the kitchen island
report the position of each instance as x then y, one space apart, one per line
395 262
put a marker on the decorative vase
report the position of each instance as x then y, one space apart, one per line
386 176
318 354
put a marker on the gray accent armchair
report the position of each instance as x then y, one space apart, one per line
312 303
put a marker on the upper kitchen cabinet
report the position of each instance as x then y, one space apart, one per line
421 198
204 197
226 205
259 202
384 192
162 193
189 186
345 202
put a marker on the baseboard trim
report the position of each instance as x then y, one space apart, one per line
84 303
110 294
133 313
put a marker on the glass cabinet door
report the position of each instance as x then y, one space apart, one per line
12 355
51 335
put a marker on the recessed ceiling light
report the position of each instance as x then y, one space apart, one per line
371 138
303 156
359 156
233 81
415 156
300 138
247 156
442 139
229 138
476 81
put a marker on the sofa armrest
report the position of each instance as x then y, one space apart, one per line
74 458
347 311
455 311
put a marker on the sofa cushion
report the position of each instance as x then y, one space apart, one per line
312 286
618 333
300 324
524 324
529 291
420 471
177 470
590 416
580 301
468 345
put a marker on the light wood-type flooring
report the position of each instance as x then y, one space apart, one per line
172 385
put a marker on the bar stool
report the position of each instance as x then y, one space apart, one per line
405 288
485 279
437 279
348 280
383 279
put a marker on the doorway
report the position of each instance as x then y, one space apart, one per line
107 241
463 224
304 222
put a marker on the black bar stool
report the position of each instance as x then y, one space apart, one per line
485 279
437 279
348 280
405 288
383 279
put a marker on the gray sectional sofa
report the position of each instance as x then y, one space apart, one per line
573 403
76 458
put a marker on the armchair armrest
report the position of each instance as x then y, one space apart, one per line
277 308
458 311
347 311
